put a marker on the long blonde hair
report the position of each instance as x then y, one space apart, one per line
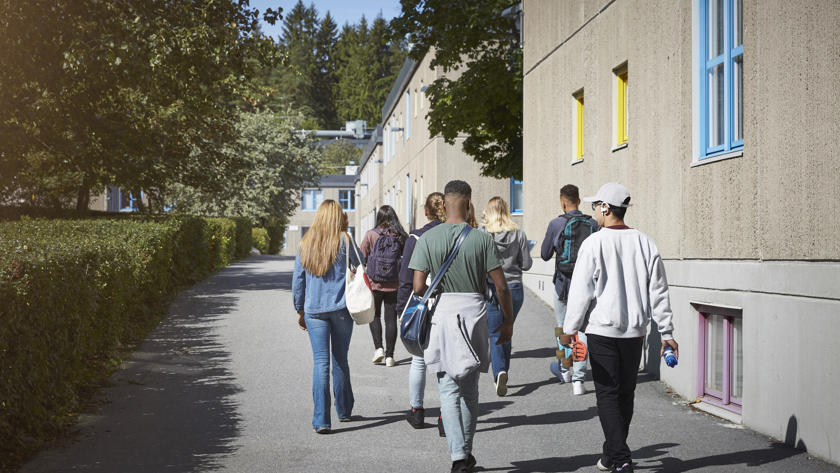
497 215
319 247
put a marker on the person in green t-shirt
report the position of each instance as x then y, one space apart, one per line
461 294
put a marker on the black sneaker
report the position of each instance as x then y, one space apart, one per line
441 430
460 466
470 462
416 417
625 468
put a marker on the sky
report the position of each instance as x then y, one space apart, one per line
341 10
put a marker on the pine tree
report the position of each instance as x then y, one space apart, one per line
297 43
326 79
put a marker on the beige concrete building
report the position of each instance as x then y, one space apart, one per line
402 163
338 187
721 118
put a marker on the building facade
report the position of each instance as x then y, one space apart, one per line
403 164
720 117
338 187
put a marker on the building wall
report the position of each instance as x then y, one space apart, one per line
303 218
426 163
756 232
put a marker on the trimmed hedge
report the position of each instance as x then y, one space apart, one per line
259 238
72 289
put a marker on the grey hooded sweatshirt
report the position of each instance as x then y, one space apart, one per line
514 249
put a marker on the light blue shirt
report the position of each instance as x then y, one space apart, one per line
320 294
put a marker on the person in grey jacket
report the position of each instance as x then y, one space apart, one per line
513 246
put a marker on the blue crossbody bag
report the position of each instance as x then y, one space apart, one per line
416 321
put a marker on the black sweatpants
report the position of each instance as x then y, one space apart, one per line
390 312
615 365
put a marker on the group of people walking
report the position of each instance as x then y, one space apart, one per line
609 283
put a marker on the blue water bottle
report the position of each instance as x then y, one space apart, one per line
670 357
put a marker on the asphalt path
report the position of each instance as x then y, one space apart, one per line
224 384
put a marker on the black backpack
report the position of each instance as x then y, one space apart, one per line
383 262
578 228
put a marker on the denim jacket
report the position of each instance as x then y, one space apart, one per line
317 295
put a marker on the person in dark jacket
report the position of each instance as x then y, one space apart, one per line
569 201
417 374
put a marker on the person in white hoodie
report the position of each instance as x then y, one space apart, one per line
618 286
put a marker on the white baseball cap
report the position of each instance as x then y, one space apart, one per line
612 193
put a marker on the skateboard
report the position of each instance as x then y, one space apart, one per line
571 349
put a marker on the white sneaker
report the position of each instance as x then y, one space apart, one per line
501 384
389 362
378 355
602 466
579 388
563 376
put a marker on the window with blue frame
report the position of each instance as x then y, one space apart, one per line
347 199
721 78
516 204
311 199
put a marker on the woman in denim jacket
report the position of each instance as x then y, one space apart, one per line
318 290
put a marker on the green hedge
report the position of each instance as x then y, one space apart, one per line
259 236
72 289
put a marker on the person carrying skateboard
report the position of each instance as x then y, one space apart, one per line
568 230
618 285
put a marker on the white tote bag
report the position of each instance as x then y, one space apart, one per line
357 292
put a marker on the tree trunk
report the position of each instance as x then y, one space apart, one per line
83 198
138 194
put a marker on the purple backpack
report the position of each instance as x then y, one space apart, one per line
383 262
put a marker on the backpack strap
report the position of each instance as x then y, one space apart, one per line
415 237
445 266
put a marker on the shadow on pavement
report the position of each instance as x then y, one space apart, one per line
171 406
526 389
576 462
750 458
378 422
550 418
547 352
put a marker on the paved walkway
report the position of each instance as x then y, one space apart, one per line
224 383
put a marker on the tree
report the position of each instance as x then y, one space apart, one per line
128 93
282 161
338 154
298 45
369 62
485 101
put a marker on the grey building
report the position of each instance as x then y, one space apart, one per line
338 187
721 118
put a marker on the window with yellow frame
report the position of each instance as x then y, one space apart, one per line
621 112
579 125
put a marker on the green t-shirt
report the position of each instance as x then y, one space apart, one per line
477 256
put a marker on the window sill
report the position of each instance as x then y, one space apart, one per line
719 157
715 410
618 147
576 161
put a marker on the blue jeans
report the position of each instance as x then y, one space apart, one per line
500 354
459 407
579 366
417 381
325 330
